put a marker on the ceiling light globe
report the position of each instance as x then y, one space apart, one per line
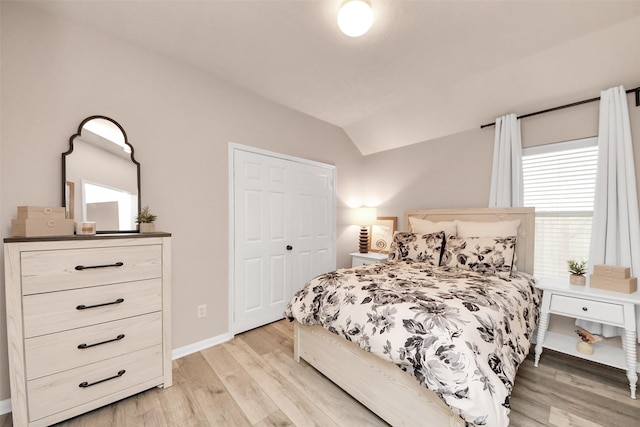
355 18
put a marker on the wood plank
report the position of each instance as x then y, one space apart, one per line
218 407
284 327
519 419
335 402
599 387
299 409
101 417
251 399
179 403
526 411
146 410
265 339
571 399
277 419
559 418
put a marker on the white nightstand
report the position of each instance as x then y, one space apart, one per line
580 302
368 258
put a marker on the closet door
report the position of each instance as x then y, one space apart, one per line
284 217
313 225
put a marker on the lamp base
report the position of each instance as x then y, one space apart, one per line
364 240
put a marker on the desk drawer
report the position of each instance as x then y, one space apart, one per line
604 312
59 311
55 393
56 270
49 354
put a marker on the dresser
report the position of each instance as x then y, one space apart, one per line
88 322
597 305
358 258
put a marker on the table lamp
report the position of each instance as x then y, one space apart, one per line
364 217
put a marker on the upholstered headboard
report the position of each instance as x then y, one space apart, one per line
526 230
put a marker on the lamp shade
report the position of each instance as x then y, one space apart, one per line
355 17
364 216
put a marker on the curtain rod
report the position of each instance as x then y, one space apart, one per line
573 104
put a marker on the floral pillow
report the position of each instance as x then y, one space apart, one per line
417 247
490 255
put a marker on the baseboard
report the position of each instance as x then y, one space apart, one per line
200 345
5 406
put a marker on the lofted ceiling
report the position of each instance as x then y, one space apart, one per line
426 69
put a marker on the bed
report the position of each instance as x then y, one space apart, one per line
392 379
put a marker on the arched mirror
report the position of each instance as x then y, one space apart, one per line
100 177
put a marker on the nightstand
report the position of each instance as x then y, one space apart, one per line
368 258
580 302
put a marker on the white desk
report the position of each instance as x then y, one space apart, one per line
580 302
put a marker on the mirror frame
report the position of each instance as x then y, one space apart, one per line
68 152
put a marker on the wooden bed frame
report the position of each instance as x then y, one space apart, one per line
381 386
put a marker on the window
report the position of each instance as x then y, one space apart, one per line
559 180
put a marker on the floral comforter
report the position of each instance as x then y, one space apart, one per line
460 333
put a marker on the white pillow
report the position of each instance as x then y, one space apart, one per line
488 229
424 226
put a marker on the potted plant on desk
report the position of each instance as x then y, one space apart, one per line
577 269
145 220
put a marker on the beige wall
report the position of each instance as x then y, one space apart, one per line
455 171
54 74
180 121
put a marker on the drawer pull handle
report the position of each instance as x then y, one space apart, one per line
86 384
118 338
85 307
86 267
584 309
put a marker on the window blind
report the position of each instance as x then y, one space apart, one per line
559 181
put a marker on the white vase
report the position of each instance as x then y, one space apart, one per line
585 348
147 227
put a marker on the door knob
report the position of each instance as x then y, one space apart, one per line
289 247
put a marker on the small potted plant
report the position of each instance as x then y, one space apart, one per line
145 220
577 269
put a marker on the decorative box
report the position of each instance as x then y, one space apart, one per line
85 228
613 271
41 212
41 227
627 285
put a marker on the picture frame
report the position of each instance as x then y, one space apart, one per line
381 234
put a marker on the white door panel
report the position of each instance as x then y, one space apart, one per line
278 203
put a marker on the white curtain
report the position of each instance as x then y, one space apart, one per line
506 176
615 236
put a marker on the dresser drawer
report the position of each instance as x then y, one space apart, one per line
605 312
55 270
61 311
62 391
49 354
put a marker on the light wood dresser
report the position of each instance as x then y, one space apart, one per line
88 321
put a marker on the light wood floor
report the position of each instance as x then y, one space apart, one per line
254 381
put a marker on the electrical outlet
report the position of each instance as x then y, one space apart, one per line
202 311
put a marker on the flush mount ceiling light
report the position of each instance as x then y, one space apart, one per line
355 17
